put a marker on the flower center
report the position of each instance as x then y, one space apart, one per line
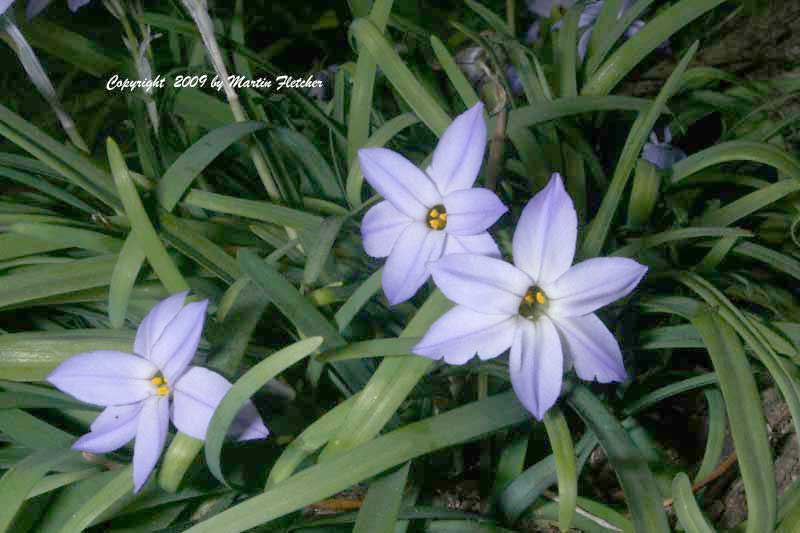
161 383
437 217
533 303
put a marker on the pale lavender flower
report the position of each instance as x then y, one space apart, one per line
34 7
588 18
426 215
661 153
544 8
540 307
135 389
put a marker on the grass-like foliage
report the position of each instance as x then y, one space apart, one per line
253 198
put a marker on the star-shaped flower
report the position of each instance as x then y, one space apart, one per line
540 307
136 389
661 153
426 215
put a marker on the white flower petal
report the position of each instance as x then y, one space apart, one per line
113 428
151 434
545 237
155 322
381 227
472 211
583 44
461 333
593 349
536 365
484 284
406 270
105 377
175 349
114 415
593 283
32 8
481 244
458 156
399 181
197 394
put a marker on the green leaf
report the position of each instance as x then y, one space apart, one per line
765 153
112 494
31 356
689 514
638 483
41 281
749 203
242 390
598 229
745 416
566 53
309 441
264 211
64 159
372 348
652 35
382 502
302 313
389 385
715 442
321 251
460 82
358 120
141 226
540 112
491 18
17 482
681 235
31 432
564 453
358 300
123 278
327 478
71 47
180 175
68 237
520 494
201 250
412 91
306 154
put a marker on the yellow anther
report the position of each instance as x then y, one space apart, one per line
437 217
162 391
528 298
158 380
533 303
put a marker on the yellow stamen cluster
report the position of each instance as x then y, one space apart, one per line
161 383
532 303
437 217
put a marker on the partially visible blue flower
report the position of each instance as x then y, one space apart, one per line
586 21
661 153
541 307
426 215
544 8
136 389
325 91
34 7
